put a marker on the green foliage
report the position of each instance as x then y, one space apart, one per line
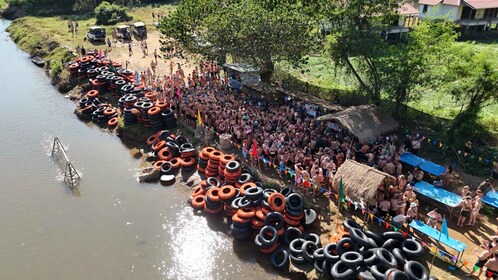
254 31
107 13
355 33
407 64
471 77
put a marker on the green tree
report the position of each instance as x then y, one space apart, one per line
260 32
472 79
409 63
355 40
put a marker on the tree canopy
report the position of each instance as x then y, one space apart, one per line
259 32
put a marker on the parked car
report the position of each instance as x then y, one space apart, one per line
96 33
139 29
123 32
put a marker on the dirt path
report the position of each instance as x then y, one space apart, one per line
137 62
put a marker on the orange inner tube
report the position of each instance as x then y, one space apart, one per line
187 162
153 139
151 95
291 222
260 215
199 190
162 104
164 154
74 66
257 222
227 192
207 210
246 186
276 201
295 218
207 150
159 145
176 163
93 93
154 111
109 112
157 164
198 202
226 158
246 213
113 121
215 156
269 249
240 220
213 194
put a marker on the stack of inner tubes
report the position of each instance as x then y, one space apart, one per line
169 157
213 162
146 105
169 119
91 73
73 69
156 120
273 218
128 117
224 159
203 159
232 172
358 255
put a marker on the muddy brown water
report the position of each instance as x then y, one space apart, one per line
116 228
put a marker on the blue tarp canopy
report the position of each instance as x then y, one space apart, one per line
436 234
438 194
491 198
425 165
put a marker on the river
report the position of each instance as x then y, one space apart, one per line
116 228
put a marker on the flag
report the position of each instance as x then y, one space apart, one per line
444 228
341 191
111 67
137 78
254 148
199 119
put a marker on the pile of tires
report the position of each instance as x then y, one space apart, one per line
169 119
232 171
213 161
273 218
171 153
361 255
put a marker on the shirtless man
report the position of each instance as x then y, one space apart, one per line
390 168
384 207
481 259
477 203
492 268
466 205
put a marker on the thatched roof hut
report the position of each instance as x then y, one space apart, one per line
366 122
360 180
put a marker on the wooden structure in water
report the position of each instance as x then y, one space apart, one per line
71 176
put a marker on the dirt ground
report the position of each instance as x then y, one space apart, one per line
139 62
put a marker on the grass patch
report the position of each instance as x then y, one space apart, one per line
441 104
3 5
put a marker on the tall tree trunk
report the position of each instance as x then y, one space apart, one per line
400 97
355 73
266 71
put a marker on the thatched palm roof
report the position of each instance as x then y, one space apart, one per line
366 122
360 180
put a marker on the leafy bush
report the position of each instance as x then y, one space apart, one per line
107 13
